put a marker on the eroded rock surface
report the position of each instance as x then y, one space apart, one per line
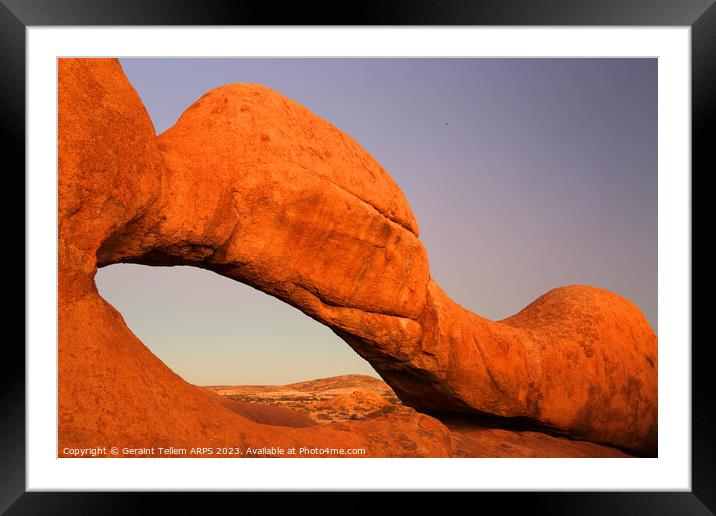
253 186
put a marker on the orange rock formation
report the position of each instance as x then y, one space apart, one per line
253 186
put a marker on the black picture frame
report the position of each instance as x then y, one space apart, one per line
17 15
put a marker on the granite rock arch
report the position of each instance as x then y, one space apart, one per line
253 186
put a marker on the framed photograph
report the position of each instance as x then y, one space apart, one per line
444 247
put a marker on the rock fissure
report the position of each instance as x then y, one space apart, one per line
381 213
493 382
327 302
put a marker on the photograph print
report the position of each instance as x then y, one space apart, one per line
357 257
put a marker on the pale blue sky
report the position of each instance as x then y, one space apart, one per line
524 175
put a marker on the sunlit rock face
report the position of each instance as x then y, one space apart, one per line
252 185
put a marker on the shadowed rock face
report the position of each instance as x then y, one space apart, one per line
253 186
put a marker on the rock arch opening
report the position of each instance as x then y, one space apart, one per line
264 358
214 331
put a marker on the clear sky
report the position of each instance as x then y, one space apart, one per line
523 174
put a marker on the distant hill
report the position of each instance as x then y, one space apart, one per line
332 385
351 396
